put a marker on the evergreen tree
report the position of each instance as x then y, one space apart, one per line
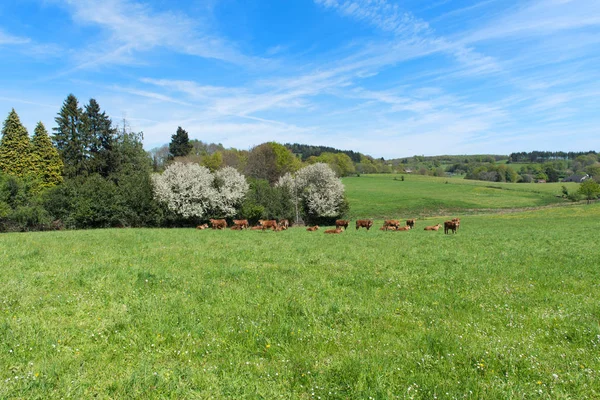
180 145
15 153
69 138
46 162
99 134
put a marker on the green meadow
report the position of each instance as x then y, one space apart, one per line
387 196
508 307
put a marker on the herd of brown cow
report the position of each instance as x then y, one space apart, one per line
388 225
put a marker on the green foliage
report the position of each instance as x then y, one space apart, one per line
180 145
100 136
15 152
339 162
264 201
270 161
70 138
213 162
589 190
20 206
47 164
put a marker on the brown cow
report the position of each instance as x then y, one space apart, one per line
457 222
268 224
391 222
242 223
256 228
312 228
365 223
218 223
433 228
450 226
342 223
403 228
202 227
411 223
284 224
236 228
334 231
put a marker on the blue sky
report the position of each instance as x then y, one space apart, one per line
388 78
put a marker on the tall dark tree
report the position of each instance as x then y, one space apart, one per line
98 132
69 138
180 145
15 153
47 164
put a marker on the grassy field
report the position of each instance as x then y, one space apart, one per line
381 196
506 308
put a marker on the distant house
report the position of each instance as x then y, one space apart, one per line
578 178
408 170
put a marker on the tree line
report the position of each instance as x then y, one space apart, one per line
94 173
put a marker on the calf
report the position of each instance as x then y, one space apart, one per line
433 228
411 223
364 223
449 226
218 223
312 228
342 223
202 227
284 224
457 222
391 222
403 228
334 231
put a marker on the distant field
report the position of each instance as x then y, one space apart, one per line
506 308
381 196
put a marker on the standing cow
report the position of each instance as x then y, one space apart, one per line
364 223
342 223
218 223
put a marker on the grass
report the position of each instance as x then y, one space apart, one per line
506 308
381 196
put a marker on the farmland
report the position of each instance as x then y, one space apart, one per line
506 308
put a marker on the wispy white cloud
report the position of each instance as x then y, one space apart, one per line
7 39
132 29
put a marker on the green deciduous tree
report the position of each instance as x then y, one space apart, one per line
15 152
589 189
47 165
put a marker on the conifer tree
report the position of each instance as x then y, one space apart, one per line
46 162
180 145
69 139
100 135
15 154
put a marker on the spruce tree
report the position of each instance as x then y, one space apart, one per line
100 135
180 145
47 164
69 138
15 153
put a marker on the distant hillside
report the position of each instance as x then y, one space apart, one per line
306 150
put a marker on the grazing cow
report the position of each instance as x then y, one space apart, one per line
433 228
268 224
334 231
457 222
411 223
391 223
202 227
312 228
449 226
365 223
242 223
284 224
342 223
218 223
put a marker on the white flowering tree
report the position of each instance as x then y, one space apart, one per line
318 189
190 190
231 188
